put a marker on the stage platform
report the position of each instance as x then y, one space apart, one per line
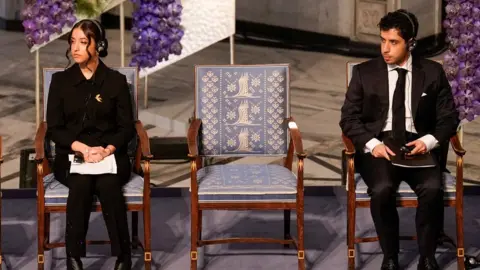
325 235
318 91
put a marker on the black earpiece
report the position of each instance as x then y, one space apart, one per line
412 43
101 44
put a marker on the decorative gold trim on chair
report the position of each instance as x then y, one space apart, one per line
460 252
40 259
301 254
351 253
193 255
40 168
148 256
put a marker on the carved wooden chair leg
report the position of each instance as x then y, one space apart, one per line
460 246
41 241
351 236
194 238
301 242
147 234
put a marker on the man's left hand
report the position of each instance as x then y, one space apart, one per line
420 147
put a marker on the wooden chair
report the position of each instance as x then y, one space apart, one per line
357 196
244 110
52 196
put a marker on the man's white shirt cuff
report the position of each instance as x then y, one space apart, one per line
429 141
370 145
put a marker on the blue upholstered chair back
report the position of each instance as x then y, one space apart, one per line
132 79
243 109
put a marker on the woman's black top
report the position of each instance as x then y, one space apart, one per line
97 111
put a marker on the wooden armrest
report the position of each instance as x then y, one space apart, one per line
457 146
297 138
349 148
40 142
348 166
144 141
192 138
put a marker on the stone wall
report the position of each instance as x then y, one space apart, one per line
10 9
353 19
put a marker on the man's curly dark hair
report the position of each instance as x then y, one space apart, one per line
399 20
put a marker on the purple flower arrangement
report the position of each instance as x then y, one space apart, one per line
42 18
462 61
156 31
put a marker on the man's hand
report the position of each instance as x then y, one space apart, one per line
420 147
382 150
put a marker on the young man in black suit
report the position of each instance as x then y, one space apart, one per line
406 100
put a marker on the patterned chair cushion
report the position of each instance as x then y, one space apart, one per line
242 109
404 190
56 194
244 182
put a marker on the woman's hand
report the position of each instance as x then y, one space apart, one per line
110 149
82 148
98 153
95 154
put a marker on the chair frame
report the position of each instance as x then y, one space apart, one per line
196 163
353 204
43 211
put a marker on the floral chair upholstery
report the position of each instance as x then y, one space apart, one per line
243 111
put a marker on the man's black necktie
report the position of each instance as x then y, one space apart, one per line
398 107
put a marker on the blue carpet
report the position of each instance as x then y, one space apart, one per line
325 231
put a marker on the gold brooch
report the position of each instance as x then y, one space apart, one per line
98 98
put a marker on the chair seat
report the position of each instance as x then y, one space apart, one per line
56 193
404 190
244 182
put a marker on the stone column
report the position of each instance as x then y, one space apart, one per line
10 14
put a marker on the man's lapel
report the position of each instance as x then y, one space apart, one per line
418 77
381 80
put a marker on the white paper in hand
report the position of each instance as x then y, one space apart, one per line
107 165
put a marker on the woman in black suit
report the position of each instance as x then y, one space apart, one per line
89 110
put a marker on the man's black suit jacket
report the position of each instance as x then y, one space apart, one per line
366 105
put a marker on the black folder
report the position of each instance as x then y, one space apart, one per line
401 159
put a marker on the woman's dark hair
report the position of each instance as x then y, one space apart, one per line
402 21
93 32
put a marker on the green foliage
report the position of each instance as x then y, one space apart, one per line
89 8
